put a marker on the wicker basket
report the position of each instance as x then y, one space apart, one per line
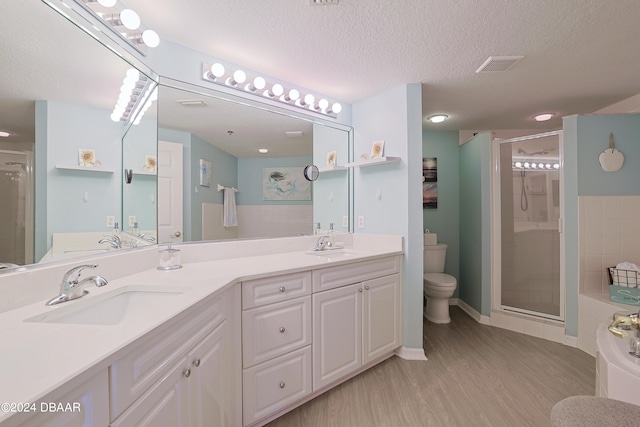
624 278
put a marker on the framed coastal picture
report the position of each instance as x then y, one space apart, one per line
285 183
377 149
86 157
331 158
430 183
205 173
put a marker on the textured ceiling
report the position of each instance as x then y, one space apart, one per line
581 55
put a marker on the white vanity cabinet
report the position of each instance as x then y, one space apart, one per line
85 405
184 374
276 343
355 323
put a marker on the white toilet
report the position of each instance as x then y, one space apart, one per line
438 286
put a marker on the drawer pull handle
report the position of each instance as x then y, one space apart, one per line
282 384
186 372
196 362
359 289
366 287
282 330
282 289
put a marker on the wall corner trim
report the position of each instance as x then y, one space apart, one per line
411 353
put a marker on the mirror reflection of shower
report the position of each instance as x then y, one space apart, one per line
16 209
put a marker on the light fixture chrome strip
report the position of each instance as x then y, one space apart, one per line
137 93
216 73
122 21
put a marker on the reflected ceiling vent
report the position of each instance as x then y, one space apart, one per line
322 2
499 63
192 102
294 133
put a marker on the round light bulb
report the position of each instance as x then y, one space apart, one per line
133 74
239 76
323 104
107 3
534 166
336 108
548 166
526 165
309 99
277 89
556 166
541 165
130 19
217 69
115 117
150 38
518 164
259 83
294 94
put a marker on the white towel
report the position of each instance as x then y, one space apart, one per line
230 212
627 266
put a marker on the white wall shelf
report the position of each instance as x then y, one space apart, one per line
332 168
84 168
144 173
372 162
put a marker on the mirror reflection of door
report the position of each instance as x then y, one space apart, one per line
170 222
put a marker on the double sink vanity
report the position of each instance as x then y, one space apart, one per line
244 332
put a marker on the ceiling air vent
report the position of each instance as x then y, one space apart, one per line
192 102
499 63
322 2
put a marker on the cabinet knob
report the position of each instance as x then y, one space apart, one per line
282 384
366 287
196 362
186 372
282 289
359 289
282 330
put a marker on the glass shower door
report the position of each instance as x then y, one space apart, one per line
529 180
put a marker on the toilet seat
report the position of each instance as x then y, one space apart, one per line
440 280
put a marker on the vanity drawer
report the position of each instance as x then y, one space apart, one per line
153 356
275 329
334 277
275 289
275 384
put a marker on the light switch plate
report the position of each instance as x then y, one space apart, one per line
111 221
361 221
345 221
132 220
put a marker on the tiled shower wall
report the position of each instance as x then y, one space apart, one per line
609 234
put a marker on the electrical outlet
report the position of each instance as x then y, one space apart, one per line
361 221
111 221
132 220
345 221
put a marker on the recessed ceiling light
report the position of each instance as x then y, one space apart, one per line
263 150
543 117
5 134
437 118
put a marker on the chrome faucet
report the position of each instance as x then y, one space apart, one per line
147 237
72 287
114 241
323 242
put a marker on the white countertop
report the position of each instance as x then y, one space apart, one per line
36 358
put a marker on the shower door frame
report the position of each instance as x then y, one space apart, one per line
496 229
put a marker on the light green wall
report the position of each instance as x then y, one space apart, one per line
394 116
445 220
474 283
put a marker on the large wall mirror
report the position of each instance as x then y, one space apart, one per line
265 193
58 88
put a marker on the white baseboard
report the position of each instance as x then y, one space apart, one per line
485 320
571 341
411 353
453 301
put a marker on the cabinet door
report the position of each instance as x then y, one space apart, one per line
164 405
382 323
337 333
86 405
212 381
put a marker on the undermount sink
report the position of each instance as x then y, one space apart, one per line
110 308
332 254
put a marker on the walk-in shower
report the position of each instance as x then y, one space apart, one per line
16 209
528 186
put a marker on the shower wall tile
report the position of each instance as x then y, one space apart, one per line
609 233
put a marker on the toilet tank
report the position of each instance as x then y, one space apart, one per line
434 257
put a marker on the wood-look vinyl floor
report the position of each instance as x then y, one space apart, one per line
476 375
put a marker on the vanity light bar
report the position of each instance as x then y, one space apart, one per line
135 89
124 22
216 73
532 165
